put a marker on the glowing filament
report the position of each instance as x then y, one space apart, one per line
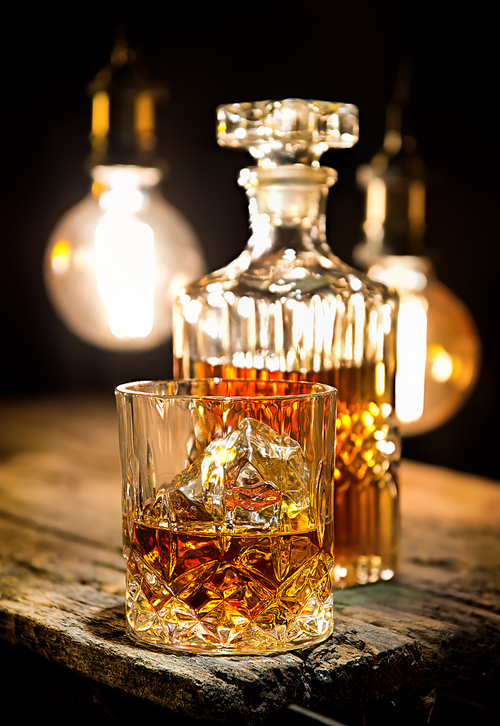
125 270
441 363
59 259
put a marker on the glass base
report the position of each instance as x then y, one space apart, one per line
237 636
208 649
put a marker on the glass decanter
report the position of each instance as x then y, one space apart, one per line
288 308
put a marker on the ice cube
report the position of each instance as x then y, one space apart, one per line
173 508
252 479
255 477
252 501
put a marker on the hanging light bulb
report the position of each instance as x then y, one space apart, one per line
115 260
438 347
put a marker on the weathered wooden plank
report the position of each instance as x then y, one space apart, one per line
83 628
62 575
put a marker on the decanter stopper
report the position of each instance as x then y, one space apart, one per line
293 131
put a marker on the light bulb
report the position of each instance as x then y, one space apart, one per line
438 347
115 260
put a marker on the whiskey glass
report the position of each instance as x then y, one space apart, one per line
228 513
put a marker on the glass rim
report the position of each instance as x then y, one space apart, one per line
318 390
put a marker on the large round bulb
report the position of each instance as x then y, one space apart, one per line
438 347
115 260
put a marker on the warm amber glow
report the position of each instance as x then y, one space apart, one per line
416 208
144 112
441 363
98 188
375 207
59 258
144 120
100 115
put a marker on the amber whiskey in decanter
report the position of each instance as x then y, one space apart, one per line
289 308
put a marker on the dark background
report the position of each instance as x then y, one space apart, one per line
223 53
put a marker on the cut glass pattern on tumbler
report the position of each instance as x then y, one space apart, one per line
214 563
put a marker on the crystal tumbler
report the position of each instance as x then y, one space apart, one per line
228 513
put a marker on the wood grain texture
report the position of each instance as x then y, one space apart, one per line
62 580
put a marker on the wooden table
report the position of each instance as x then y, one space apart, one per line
396 645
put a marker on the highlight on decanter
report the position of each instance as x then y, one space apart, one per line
114 260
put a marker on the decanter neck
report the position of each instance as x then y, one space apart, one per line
287 206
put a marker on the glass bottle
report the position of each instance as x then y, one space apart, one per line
287 307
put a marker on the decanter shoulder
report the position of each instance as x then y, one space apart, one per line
356 281
219 280
272 277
